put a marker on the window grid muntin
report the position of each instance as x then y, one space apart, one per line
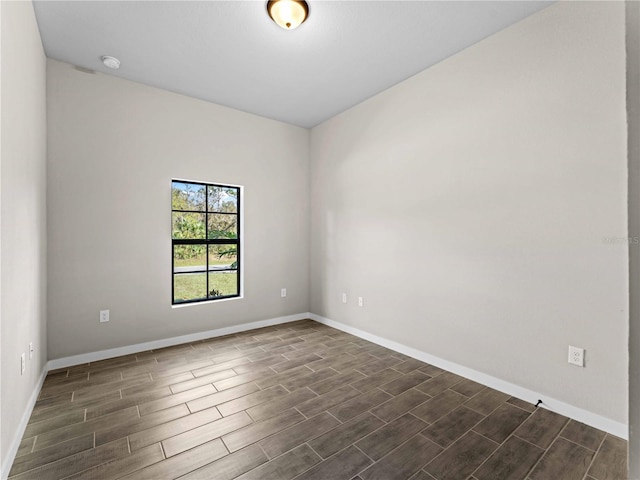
206 241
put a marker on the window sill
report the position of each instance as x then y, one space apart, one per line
206 302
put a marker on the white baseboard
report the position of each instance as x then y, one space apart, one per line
7 461
168 342
597 421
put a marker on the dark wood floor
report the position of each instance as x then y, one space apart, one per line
299 400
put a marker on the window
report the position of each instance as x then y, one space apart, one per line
205 225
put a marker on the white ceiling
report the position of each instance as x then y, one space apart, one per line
231 53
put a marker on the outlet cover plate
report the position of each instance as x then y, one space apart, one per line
576 356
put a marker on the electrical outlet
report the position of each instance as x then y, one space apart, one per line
360 302
576 356
23 363
104 316
283 292
30 350
344 298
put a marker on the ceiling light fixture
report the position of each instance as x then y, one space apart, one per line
110 62
288 14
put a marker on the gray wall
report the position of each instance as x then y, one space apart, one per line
468 206
633 118
23 214
114 147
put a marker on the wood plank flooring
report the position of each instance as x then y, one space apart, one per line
296 401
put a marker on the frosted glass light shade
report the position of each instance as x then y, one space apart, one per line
289 14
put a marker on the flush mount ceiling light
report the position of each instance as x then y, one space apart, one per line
289 14
110 62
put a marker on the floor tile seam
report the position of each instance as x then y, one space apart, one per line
334 455
70 438
311 466
511 435
308 442
468 396
58 416
305 417
403 443
384 424
340 422
292 407
520 408
430 474
564 427
257 444
311 385
274 372
61 394
424 465
98 390
444 449
441 416
51 381
97 362
514 434
435 458
285 388
57 459
290 359
61 458
33 444
49 385
118 459
470 429
428 424
593 459
80 388
289 392
247 408
429 397
370 374
471 408
282 454
373 462
399 393
108 370
576 443
81 471
546 450
535 465
158 425
557 434
223 442
159 399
